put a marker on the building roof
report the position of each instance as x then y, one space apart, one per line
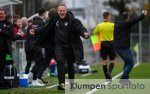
9 2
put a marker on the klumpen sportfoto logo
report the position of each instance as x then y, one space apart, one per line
102 84
110 86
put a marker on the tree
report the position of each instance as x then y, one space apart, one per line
51 4
119 5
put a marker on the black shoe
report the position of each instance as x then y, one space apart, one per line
44 81
61 86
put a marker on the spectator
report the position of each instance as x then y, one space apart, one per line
49 52
18 27
6 38
35 50
25 23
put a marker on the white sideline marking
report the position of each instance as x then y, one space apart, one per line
115 77
87 74
58 84
52 86
94 90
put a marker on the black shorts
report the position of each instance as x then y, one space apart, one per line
107 50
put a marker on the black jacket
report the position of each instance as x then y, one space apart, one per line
122 33
76 30
36 23
7 36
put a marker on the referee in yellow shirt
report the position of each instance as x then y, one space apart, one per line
106 31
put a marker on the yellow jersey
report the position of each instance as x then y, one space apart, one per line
106 31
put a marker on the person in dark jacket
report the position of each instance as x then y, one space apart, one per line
49 51
35 51
63 34
6 38
122 34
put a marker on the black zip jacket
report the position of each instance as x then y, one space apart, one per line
30 39
76 29
122 33
7 36
62 33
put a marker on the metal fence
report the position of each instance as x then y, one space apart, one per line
19 55
143 47
140 44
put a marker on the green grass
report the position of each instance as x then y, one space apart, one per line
140 72
140 75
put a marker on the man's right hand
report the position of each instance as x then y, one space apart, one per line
86 35
144 12
32 32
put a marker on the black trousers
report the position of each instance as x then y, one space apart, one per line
29 58
63 55
49 54
39 59
2 60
